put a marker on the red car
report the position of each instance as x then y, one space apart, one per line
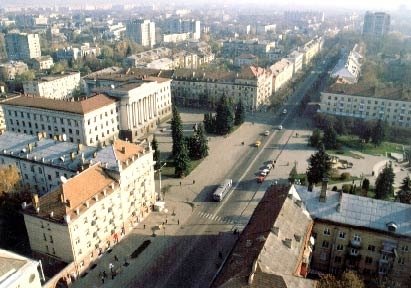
260 179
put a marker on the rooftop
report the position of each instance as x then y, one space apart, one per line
356 210
275 219
247 73
367 90
65 155
10 263
55 77
77 107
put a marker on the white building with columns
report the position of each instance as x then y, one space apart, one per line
142 105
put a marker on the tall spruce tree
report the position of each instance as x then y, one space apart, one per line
197 144
224 117
239 116
319 166
378 133
405 190
330 138
182 161
384 183
156 155
176 131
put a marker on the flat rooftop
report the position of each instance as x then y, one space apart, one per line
366 90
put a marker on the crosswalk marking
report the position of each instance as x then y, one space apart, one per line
225 219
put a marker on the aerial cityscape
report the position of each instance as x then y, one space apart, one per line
205 144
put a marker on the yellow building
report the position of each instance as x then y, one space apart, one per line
91 212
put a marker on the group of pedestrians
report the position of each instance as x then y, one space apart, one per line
103 275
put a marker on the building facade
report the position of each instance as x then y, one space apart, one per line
283 72
142 32
394 112
22 46
376 24
42 63
18 271
178 26
9 71
91 212
55 87
253 85
91 121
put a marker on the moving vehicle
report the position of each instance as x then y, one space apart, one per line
266 132
279 127
222 190
257 143
285 111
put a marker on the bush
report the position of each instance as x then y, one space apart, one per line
346 188
345 176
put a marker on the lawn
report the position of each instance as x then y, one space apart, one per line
168 170
354 143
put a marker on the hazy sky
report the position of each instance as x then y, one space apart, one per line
295 4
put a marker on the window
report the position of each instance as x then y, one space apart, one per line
325 244
357 237
44 237
371 247
401 260
354 251
51 239
404 248
340 247
368 260
327 231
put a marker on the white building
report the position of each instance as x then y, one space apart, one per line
55 87
297 59
283 72
92 211
311 49
22 46
42 63
176 37
142 32
91 121
17 271
348 68
245 60
178 26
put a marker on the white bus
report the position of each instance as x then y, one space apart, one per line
222 190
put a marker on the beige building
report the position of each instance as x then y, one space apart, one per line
142 32
311 49
17 271
91 121
358 233
297 58
42 63
55 87
344 100
9 71
176 37
196 87
91 212
274 249
22 46
283 72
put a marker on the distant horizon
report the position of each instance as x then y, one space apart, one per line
287 4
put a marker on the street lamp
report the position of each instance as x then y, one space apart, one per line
159 177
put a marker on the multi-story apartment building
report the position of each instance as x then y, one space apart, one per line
78 51
283 72
234 48
18 271
91 212
311 49
297 58
141 59
42 162
344 100
376 24
55 87
178 26
274 249
142 32
358 233
5 97
176 37
22 46
90 121
42 63
195 87
9 71
245 60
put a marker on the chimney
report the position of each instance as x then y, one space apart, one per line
51 214
62 198
72 155
79 147
340 199
67 218
39 135
123 150
323 193
36 200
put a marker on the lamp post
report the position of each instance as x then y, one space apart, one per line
159 177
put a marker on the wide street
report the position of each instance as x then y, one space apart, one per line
198 233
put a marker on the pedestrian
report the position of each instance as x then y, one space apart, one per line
166 220
144 226
115 258
180 183
104 274
112 275
102 279
178 221
194 182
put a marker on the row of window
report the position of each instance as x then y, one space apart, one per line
48 119
369 101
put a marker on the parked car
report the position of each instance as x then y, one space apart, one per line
284 111
257 143
278 127
260 179
269 166
266 132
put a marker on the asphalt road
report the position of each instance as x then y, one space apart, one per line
193 256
